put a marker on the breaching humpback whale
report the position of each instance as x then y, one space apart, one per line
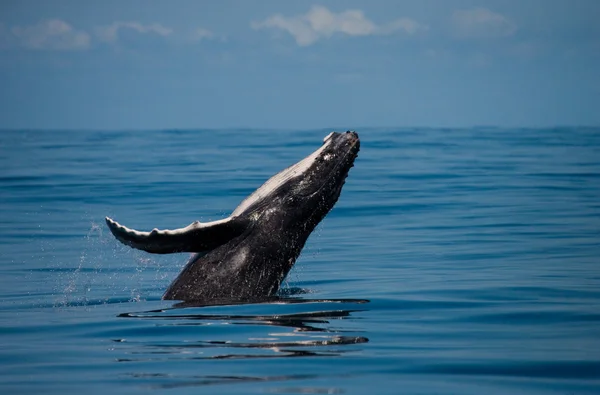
249 253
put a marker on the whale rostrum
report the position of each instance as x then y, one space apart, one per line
249 253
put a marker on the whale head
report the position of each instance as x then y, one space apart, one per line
313 184
327 168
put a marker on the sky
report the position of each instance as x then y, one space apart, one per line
191 64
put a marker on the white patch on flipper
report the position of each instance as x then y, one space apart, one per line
280 178
121 230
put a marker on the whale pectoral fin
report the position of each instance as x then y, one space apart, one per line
196 237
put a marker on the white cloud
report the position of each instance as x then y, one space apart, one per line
200 34
481 22
319 23
51 34
110 33
410 26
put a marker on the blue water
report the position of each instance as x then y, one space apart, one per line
459 261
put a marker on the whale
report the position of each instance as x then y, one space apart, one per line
248 254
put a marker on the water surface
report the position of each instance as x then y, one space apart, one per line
459 261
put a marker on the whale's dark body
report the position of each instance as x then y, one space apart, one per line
249 253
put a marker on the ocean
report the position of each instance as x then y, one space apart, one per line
457 261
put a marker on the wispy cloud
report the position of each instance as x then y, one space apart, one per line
56 34
319 23
50 34
481 22
201 33
111 32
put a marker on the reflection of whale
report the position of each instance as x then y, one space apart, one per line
316 332
248 254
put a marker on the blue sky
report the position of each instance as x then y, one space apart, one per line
298 64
